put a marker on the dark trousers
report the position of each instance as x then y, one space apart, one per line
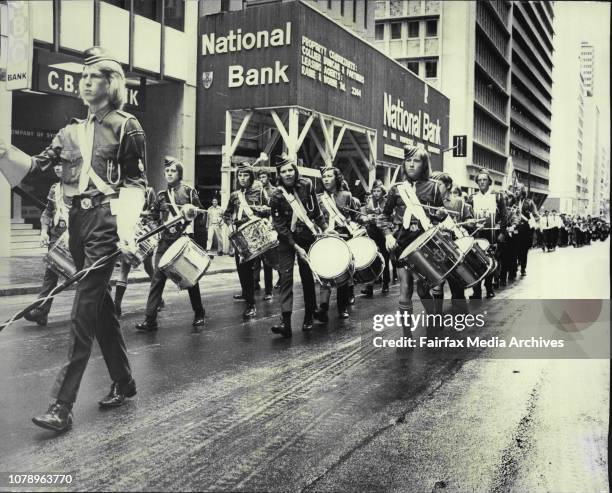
525 237
379 239
268 273
247 281
93 235
158 282
286 258
49 282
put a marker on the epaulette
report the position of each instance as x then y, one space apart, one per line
125 114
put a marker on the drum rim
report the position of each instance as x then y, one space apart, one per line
372 259
431 232
472 243
183 241
345 245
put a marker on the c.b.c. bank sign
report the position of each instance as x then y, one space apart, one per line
292 55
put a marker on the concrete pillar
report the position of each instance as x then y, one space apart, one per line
6 103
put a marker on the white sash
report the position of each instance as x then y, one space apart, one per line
335 216
60 206
244 207
177 211
298 212
85 138
413 206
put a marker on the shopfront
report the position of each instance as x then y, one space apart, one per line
287 78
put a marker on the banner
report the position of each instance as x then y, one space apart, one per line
20 46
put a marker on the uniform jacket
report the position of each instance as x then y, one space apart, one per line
162 209
457 204
343 200
118 154
282 212
428 193
255 196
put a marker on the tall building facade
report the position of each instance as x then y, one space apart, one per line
587 52
493 59
356 15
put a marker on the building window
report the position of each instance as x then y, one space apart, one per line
117 3
354 11
146 8
174 14
413 67
379 32
396 30
413 29
365 14
329 4
431 69
342 7
431 28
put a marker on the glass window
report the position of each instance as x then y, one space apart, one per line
431 69
379 32
413 67
431 28
413 29
117 3
146 8
396 30
174 14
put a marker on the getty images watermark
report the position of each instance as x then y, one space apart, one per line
453 323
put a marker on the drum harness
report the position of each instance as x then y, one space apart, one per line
335 215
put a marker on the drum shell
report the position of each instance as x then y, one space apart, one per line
186 265
59 259
254 238
146 247
340 279
476 265
372 269
434 260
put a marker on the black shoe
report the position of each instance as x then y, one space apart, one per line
385 288
368 291
250 312
147 326
239 297
277 285
321 315
198 320
490 294
268 297
343 314
118 393
162 305
307 325
36 315
57 418
523 273
282 329
476 297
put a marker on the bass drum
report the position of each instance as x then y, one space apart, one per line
432 256
369 263
332 261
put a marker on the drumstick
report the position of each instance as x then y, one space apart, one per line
83 272
314 274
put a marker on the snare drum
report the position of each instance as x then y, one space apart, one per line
145 248
58 258
369 263
476 264
185 262
432 256
331 259
254 238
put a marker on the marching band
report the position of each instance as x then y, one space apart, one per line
422 228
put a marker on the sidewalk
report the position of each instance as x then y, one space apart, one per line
24 275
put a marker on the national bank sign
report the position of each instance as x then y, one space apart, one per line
236 41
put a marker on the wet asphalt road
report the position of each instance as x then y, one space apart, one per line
235 408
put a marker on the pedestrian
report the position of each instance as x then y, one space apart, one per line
529 218
168 204
103 177
53 226
214 224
